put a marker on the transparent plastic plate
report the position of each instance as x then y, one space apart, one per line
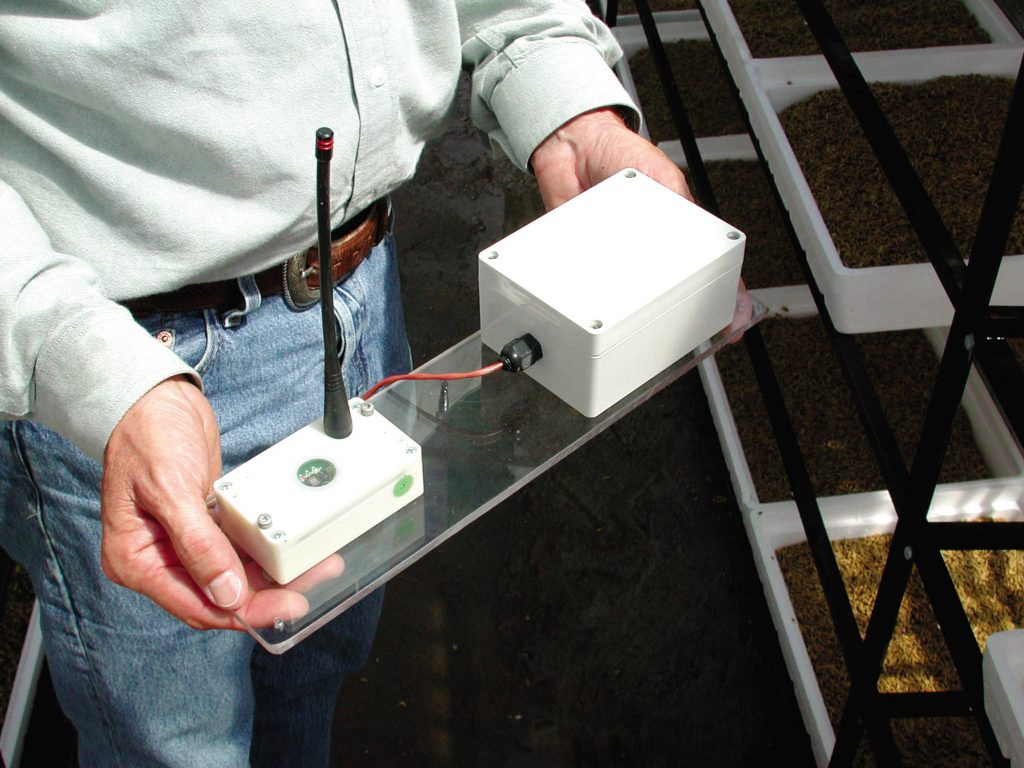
482 440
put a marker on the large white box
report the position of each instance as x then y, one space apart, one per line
616 285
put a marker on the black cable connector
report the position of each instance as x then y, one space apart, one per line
519 354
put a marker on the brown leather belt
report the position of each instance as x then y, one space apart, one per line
298 278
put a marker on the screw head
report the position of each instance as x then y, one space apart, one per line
908 553
277 535
733 235
366 409
225 486
264 521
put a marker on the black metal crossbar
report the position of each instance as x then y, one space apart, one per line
931 231
698 176
977 334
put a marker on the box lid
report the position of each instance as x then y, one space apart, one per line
613 258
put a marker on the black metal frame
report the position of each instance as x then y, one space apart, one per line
977 335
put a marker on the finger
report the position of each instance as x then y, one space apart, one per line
171 512
270 607
270 603
169 586
329 568
208 556
140 556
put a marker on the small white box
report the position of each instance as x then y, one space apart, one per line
616 285
309 495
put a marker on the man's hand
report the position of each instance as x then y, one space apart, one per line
590 148
158 536
595 145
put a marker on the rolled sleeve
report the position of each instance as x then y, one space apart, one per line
530 104
93 369
537 65
72 359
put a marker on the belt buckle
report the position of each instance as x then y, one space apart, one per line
298 294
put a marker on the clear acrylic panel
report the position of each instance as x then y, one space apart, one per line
482 439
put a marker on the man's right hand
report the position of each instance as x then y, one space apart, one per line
158 536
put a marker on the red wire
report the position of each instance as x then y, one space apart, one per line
433 376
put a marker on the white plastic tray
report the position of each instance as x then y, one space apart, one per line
875 298
845 518
790 300
773 525
1003 673
1002 493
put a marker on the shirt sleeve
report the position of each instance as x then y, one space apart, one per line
64 347
536 65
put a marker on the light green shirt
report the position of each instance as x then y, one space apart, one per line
149 145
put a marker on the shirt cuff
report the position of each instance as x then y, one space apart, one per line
574 79
94 370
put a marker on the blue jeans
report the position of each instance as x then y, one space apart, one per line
141 687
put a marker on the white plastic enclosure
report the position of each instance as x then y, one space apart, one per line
1002 670
616 284
309 495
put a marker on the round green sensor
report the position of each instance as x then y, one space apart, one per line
403 485
316 472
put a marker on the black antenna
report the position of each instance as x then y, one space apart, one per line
337 418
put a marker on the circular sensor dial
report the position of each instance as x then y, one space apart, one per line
316 472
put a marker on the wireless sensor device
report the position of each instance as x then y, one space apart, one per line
301 500
616 285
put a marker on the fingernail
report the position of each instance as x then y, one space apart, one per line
225 589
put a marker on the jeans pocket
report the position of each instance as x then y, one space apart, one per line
190 335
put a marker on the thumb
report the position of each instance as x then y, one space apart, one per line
158 536
208 556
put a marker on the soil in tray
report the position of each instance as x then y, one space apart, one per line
839 459
950 128
990 585
703 86
745 201
772 28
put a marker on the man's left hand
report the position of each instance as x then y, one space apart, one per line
590 148
595 145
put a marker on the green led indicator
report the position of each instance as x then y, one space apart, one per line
403 485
